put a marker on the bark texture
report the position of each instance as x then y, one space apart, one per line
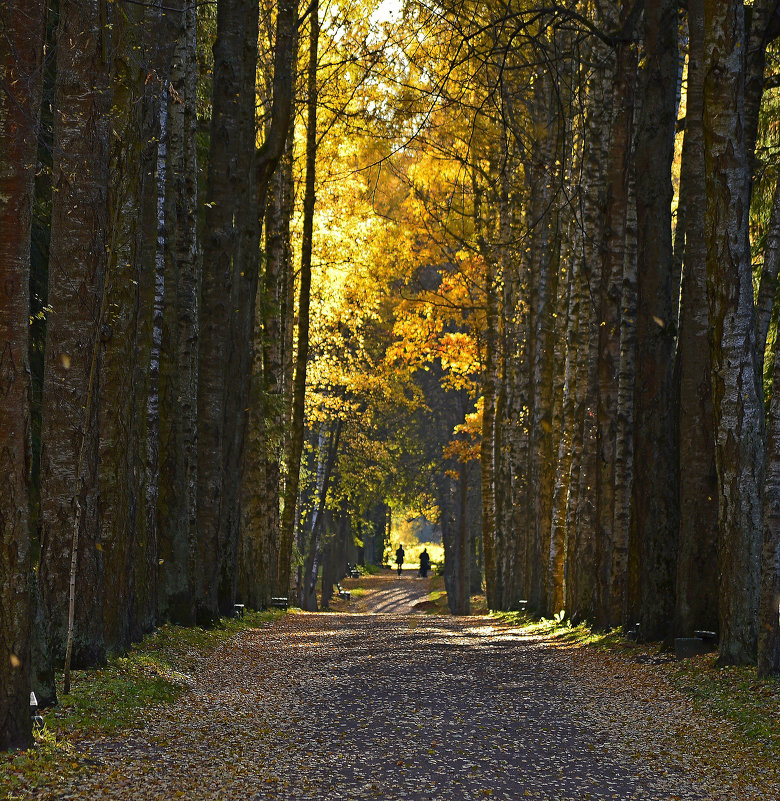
697 565
177 499
227 250
22 29
655 439
736 391
77 262
261 475
295 445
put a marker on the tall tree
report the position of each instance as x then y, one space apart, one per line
69 525
261 477
22 29
655 438
228 246
697 566
736 384
612 545
295 444
177 503
139 49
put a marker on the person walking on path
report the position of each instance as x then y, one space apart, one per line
425 563
399 559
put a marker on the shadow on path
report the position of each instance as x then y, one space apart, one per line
423 708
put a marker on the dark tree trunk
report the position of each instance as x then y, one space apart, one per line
611 545
656 497
769 607
129 542
177 498
77 262
229 247
295 445
697 565
22 29
261 475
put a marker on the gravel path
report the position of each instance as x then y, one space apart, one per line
360 706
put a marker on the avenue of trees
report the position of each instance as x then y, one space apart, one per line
270 272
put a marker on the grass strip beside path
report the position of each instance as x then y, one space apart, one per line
106 700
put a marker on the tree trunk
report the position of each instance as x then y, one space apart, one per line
582 546
736 384
656 497
697 561
625 556
293 456
177 498
768 634
541 472
488 441
611 581
130 611
22 29
462 600
260 509
77 261
769 605
555 580
315 545
227 250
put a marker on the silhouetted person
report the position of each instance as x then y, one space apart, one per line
399 558
425 563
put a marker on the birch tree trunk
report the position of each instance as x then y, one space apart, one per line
555 580
736 384
77 263
611 582
22 30
547 246
625 540
488 442
582 546
129 541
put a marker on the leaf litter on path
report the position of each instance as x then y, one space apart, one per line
336 706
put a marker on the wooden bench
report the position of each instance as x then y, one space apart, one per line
278 603
352 570
345 595
238 610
